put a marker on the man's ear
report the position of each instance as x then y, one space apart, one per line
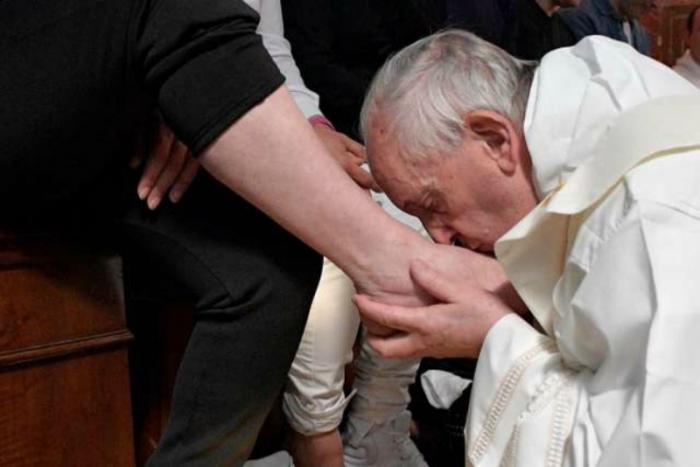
499 134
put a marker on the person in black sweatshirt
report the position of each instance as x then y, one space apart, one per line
340 44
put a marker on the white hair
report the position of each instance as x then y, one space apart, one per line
425 90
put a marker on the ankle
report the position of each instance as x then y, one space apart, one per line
324 449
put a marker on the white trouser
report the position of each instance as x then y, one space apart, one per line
313 398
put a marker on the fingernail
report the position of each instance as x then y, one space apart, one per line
143 192
153 202
175 196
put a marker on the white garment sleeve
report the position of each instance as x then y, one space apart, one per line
621 384
271 28
519 378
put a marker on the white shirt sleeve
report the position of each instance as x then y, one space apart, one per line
519 378
621 383
271 28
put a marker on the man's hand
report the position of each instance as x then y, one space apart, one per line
461 265
170 169
489 274
348 153
454 264
455 327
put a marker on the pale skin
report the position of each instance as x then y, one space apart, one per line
322 449
470 197
170 168
306 192
438 330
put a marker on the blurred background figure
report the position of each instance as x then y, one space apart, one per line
616 19
534 27
688 65
340 44
527 29
487 19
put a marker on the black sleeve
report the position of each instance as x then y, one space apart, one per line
308 25
204 64
578 22
485 18
529 31
533 33
561 34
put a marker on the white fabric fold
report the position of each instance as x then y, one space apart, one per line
442 388
577 93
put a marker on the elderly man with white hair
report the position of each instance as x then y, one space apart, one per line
582 175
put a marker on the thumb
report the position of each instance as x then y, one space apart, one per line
436 284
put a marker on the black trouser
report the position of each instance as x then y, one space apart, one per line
251 284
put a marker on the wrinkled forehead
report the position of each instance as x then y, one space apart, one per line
382 148
383 143
394 172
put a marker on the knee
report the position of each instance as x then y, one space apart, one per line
279 290
309 413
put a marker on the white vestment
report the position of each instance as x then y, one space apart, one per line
609 264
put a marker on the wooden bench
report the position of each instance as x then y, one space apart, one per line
64 374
